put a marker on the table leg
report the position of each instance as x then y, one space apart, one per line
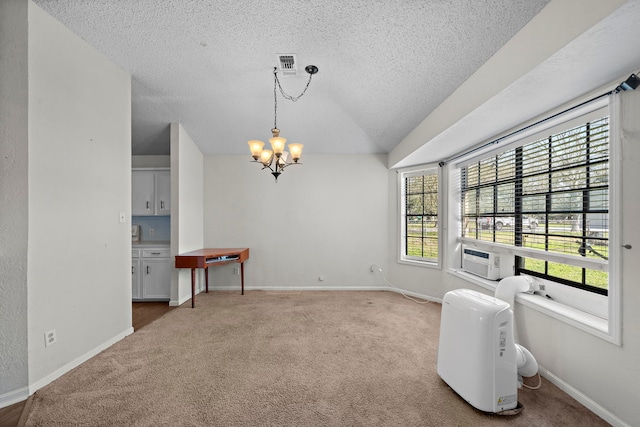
193 287
242 276
206 279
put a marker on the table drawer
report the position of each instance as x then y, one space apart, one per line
156 253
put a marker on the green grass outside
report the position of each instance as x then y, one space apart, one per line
422 245
599 279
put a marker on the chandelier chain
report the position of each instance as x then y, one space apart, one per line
275 100
276 85
286 95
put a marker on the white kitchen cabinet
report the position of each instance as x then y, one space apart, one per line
135 274
163 192
151 274
156 279
151 192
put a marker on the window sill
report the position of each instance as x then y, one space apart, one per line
587 322
427 264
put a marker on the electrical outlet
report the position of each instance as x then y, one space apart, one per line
236 271
49 338
152 232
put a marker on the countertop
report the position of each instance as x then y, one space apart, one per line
151 243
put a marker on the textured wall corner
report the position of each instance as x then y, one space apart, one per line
14 373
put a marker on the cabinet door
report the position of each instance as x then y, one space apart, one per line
142 192
135 279
156 278
163 193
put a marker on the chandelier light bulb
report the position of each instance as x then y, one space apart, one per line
277 142
296 151
256 148
266 156
278 145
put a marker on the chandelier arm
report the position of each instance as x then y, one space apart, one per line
289 164
263 165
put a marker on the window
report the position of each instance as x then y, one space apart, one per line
420 207
550 197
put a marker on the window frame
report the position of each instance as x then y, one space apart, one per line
604 319
543 138
403 258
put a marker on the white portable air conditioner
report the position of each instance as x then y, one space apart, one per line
486 264
477 352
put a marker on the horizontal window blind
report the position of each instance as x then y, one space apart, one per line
548 195
586 112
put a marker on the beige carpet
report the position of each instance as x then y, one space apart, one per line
283 359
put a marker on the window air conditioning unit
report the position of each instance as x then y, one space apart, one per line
488 265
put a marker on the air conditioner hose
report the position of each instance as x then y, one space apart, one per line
527 364
506 291
509 286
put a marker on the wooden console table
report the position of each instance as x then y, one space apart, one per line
208 257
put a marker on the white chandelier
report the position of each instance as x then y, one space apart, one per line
277 159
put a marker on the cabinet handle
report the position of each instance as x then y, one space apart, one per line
147 204
155 253
161 204
132 271
147 269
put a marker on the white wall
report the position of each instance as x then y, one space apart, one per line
327 217
187 206
13 205
79 280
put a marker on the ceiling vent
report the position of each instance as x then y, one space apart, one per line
288 64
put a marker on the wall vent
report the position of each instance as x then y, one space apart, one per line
288 64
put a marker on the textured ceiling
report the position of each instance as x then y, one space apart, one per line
589 64
384 65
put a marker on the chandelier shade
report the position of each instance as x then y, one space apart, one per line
277 143
256 148
296 151
265 157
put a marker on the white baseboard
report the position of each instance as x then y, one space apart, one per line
174 303
316 288
180 301
23 393
414 295
14 396
77 362
184 299
590 404
298 288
